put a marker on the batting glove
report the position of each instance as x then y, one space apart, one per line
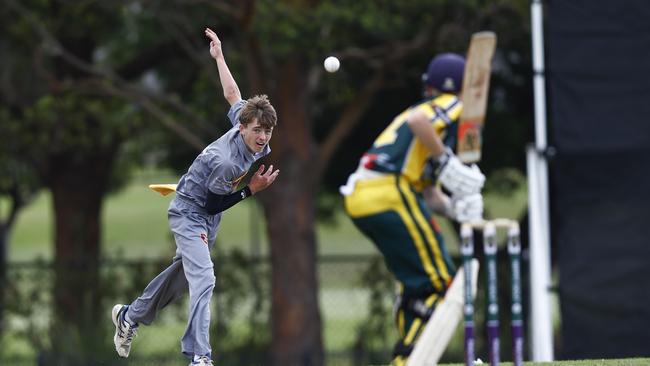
458 178
467 208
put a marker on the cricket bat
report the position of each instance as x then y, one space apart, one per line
476 82
443 323
163 189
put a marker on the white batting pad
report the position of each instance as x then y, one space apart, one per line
444 321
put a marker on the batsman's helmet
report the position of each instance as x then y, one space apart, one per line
445 72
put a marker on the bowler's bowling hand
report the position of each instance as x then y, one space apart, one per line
215 44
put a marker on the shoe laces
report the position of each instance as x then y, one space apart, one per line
131 332
128 329
204 359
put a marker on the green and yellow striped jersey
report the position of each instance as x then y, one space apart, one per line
397 150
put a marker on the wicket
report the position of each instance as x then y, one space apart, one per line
492 324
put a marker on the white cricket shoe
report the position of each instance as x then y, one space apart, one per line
201 361
124 331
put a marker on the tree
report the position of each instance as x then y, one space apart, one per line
73 101
62 130
17 186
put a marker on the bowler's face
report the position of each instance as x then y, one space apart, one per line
255 136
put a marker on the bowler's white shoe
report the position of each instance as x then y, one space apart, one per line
124 331
201 361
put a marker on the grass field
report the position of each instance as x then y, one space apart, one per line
135 225
623 362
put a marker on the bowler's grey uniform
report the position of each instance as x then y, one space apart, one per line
218 168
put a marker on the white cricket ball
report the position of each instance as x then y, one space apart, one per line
332 64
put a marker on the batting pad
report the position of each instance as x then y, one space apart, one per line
444 321
163 189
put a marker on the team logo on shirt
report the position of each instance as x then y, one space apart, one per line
204 238
236 181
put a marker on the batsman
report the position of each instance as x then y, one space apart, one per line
409 172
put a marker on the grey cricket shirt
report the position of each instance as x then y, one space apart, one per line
221 165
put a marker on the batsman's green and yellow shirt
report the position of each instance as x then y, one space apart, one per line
397 150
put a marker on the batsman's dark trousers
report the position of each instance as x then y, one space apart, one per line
393 214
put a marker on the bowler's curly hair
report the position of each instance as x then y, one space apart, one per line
258 107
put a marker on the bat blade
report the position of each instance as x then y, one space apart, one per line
476 82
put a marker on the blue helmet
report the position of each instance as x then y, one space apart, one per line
445 72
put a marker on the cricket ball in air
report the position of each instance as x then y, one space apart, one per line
332 64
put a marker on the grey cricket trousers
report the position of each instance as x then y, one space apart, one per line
194 232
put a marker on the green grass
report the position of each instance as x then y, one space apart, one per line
134 223
601 362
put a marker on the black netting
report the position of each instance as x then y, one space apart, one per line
599 79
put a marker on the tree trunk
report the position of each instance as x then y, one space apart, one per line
4 239
77 193
290 208
6 225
